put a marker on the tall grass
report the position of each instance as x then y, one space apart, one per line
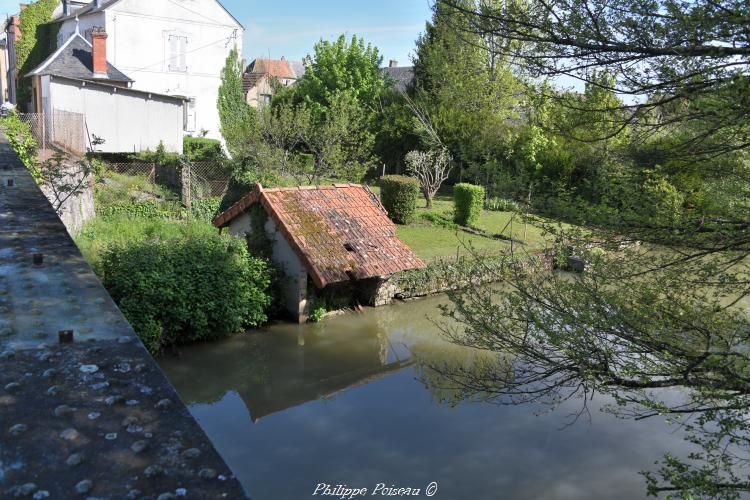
101 233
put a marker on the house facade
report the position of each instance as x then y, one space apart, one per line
263 75
334 243
167 47
78 78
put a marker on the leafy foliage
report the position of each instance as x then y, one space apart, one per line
21 141
342 66
206 209
197 289
399 196
468 200
202 149
38 40
237 118
145 209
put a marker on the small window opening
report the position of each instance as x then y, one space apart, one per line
349 247
10 183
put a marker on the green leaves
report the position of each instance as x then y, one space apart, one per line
237 118
341 66
181 291
399 196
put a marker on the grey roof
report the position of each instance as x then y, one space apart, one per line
298 67
74 60
400 76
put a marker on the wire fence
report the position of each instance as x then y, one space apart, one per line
193 181
58 131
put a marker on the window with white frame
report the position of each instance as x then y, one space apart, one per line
177 52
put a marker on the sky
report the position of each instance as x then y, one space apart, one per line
290 28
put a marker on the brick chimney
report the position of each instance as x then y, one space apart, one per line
393 63
99 52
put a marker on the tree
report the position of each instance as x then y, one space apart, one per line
341 66
640 319
689 60
237 118
466 88
310 147
431 168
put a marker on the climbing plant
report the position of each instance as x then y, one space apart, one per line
38 40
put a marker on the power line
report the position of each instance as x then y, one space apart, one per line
200 14
227 39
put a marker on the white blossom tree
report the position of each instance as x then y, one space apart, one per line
431 168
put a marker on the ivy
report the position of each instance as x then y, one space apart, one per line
38 40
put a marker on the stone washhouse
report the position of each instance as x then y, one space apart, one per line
335 244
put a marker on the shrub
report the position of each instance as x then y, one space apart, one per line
177 292
202 149
206 209
399 196
468 201
21 141
663 202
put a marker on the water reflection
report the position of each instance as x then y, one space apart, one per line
353 400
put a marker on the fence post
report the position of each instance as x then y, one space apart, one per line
44 132
185 176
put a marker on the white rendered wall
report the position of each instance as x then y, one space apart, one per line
137 45
127 121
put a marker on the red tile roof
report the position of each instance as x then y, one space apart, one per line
261 68
339 232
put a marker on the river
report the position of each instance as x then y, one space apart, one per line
352 400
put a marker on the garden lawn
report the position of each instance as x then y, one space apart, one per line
433 242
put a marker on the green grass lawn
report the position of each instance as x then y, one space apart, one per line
432 242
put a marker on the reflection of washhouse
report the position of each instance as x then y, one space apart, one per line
321 367
283 368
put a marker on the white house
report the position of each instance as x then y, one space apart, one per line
78 78
172 47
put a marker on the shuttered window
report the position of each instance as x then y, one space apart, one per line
177 47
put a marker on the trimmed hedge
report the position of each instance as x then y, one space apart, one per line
202 149
399 194
176 292
468 201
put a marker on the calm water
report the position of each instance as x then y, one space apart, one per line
350 401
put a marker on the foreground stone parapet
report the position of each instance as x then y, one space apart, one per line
85 411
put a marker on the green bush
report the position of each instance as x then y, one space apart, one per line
663 202
21 141
468 201
206 209
177 292
202 149
399 196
